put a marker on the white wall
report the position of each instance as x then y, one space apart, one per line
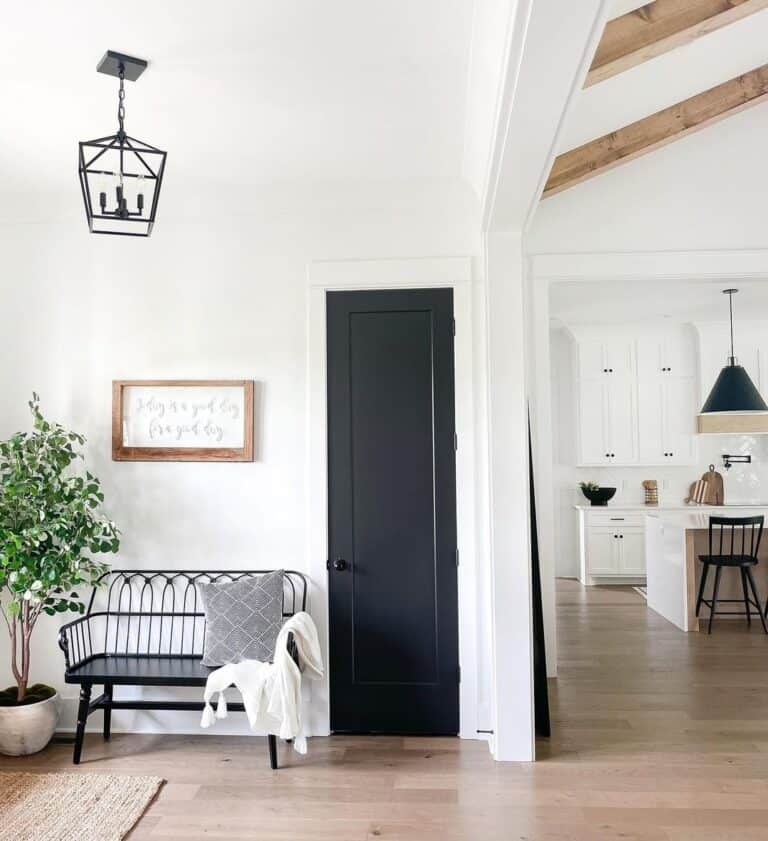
221 294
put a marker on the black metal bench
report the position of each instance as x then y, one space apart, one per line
149 632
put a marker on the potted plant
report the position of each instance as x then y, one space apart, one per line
51 530
595 494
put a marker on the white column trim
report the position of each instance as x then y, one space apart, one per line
509 505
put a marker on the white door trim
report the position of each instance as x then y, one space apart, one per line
447 272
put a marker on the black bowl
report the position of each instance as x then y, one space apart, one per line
598 496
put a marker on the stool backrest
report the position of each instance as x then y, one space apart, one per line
735 535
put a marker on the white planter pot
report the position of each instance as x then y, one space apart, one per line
28 728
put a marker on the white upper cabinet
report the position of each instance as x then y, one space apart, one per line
591 355
620 357
670 353
601 358
592 404
667 420
636 396
622 421
679 410
607 420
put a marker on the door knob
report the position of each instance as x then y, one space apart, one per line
339 564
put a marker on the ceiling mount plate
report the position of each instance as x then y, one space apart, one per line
110 64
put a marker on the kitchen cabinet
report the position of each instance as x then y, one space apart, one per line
632 551
622 421
666 420
668 353
605 358
636 398
612 545
607 422
602 552
593 422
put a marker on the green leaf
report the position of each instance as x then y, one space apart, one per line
52 523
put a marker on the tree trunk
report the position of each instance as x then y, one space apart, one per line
25 633
17 673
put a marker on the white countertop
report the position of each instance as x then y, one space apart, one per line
639 506
699 519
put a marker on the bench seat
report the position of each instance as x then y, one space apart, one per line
141 670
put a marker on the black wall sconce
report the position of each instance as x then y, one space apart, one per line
121 176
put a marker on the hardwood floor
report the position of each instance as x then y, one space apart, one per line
658 736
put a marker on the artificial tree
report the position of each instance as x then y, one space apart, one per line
51 530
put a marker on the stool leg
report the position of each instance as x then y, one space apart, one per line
752 584
704 574
746 595
718 571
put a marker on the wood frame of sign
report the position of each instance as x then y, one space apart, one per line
189 423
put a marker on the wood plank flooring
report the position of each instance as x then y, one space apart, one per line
658 736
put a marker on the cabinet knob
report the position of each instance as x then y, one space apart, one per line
621 536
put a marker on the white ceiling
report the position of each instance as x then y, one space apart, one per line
620 301
240 91
666 80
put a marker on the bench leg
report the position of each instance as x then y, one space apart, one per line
272 752
108 689
82 717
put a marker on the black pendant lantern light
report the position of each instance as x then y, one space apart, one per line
733 390
121 176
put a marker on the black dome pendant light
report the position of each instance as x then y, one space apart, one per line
733 390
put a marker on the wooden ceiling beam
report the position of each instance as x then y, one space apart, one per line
657 130
659 27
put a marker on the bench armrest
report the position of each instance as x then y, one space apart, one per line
76 642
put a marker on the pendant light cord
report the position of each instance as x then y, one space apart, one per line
730 307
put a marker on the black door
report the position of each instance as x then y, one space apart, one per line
392 512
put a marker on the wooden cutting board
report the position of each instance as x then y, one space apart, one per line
715 489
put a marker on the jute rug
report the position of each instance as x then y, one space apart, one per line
65 807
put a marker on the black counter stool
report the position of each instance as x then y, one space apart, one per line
733 542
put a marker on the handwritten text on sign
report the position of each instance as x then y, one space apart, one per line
183 416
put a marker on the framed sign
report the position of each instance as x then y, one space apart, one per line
182 420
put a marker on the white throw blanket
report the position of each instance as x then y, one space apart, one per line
271 691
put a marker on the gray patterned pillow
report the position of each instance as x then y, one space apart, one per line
243 618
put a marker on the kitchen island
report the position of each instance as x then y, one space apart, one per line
673 542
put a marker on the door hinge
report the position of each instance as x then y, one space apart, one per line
454 326
457 557
458 674
455 441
